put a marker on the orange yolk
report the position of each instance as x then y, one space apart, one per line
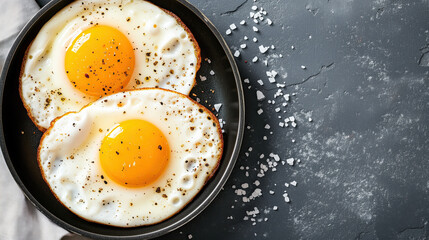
134 153
100 61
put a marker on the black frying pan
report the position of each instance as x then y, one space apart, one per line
19 138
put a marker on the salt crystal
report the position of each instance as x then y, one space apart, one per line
275 208
243 46
254 8
233 26
245 38
293 124
256 183
290 161
293 183
228 32
263 49
245 185
218 106
242 22
259 95
271 192
251 14
267 126
277 109
190 236
269 22
255 59
203 78
255 29
255 21
281 124
212 72
303 67
255 39
292 118
272 80
260 82
260 111
310 119
236 53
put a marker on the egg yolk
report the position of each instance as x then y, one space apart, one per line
134 153
100 61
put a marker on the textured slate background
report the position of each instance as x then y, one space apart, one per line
364 158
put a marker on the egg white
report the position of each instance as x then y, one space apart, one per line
69 157
44 87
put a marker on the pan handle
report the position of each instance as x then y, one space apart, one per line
42 3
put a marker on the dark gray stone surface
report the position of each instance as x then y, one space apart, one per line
364 171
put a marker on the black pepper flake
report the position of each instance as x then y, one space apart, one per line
164 195
117 153
86 75
102 177
158 190
159 147
105 182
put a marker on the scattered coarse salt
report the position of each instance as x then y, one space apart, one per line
256 183
260 111
286 97
292 47
271 192
255 29
254 8
281 124
228 31
286 196
233 26
275 208
292 118
260 82
245 38
293 124
236 53
255 21
310 119
190 236
203 78
251 14
217 106
264 138
272 80
269 22
293 183
259 95
303 67
255 39
255 59
290 161
267 126
246 80
277 109
243 46
245 185
263 49
242 22
212 72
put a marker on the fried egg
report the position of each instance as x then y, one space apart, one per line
132 158
95 48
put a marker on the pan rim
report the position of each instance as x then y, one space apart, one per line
199 208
